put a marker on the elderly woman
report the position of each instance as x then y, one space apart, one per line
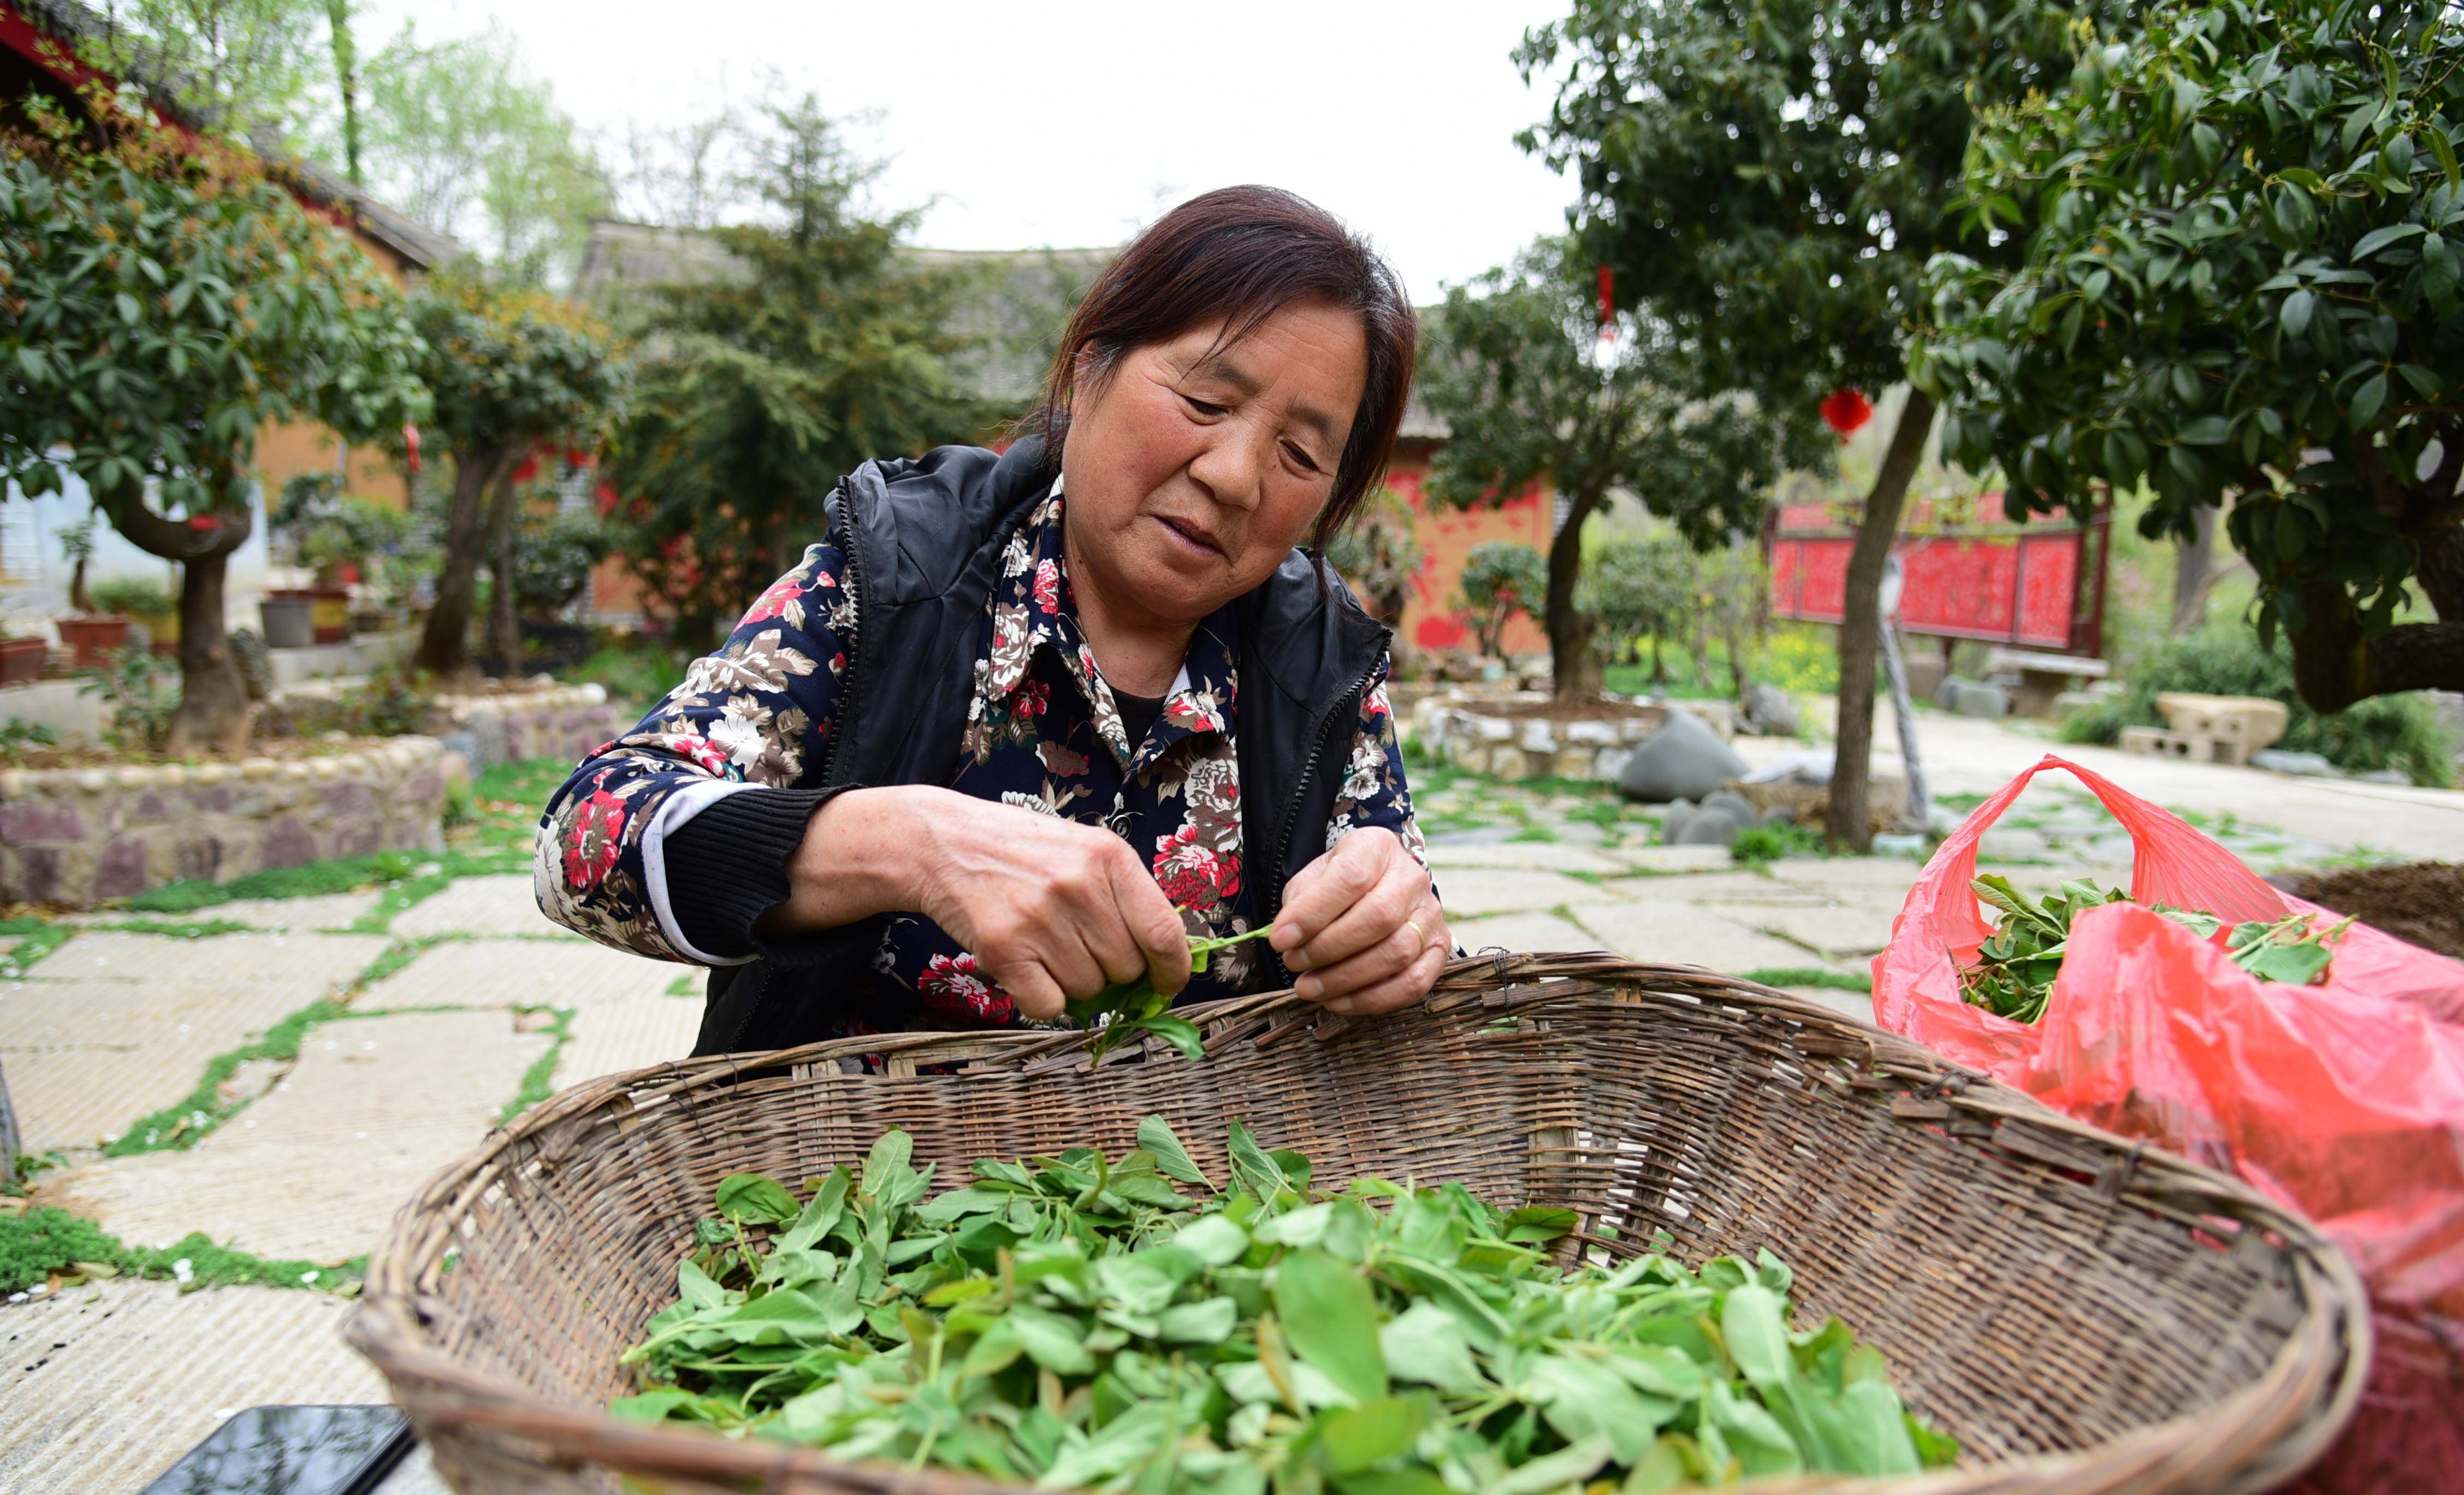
1020 725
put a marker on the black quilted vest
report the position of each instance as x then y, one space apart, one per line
926 538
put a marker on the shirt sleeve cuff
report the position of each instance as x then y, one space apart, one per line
732 843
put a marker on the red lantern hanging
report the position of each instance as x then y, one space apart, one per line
410 446
1607 297
1844 410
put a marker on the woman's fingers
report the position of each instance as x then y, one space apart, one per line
1358 901
1420 927
1032 988
1396 991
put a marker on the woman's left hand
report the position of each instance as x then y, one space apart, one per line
1361 928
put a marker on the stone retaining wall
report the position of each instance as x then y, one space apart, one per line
563 721
76 836
1531 748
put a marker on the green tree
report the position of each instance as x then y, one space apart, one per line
165 303
1500 578
1514 365
2245 234
1639 587
248 69
1379 555
1770 177
459 136
510 370
821 349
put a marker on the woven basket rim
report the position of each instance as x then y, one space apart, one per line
2314 1382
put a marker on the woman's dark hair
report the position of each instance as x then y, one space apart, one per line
1238 255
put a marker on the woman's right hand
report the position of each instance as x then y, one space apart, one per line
1049 908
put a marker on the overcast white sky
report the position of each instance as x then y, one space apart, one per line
1068 124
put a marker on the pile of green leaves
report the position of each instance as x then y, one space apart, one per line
1136 1006
1081 1322
2016 965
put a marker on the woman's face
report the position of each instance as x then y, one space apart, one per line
1193 470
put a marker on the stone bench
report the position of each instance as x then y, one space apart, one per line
2208 729
2040 678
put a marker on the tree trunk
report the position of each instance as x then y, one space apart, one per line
1574 670
2195 572
445 643
1848 823
214 697
214 694
1659 664
346 79
504 625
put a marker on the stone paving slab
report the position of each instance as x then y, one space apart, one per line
1683 933
1848 872
509 973
1846 1004
500 905
1839 934
1544 855
1718 889
1521 932
1469 893
612 1037
1674 859
88 1056
329 911
308 963
106 1387
318 1168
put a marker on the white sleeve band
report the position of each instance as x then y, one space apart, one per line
680 806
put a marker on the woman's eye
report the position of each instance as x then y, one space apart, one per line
1201 407
1306 462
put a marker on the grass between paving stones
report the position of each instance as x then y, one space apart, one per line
187 1121
45 1245
35 939
539 1080
1812 975
684 986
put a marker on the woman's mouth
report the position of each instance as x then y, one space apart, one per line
1189 538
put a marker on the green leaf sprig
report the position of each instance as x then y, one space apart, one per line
2016 967
1078 1322
1135 1006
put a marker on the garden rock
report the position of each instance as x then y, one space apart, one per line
1896 845
1776 814
1979 699
1770 711
1709 829
1684 759
1674 820
2306 765
1739 808
2394 775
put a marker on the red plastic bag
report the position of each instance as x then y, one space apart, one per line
2344 1100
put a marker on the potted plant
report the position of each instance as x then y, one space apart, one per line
21 658
92 635
339 538
145 601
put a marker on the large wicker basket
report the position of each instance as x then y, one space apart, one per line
2086 1316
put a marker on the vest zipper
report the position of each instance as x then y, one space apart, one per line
1349 704
845 725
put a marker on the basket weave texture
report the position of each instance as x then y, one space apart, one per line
2086 1316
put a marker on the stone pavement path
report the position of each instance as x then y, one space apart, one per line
285 1085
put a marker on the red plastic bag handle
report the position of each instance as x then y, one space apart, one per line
2173 861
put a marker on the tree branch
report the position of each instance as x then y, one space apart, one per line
225 531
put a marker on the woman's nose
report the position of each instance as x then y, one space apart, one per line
1231 467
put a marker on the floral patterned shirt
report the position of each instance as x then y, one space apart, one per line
1043 732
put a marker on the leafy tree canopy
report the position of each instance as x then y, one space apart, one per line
1499 579
510 369
1772 176
163 304
1641 588
2245 233
1515 366
820 350
246 69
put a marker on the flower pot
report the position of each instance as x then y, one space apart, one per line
22 660
330 612
288 619
93 640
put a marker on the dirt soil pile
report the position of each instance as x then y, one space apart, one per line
2422 902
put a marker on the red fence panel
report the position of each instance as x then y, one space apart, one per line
2037 586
